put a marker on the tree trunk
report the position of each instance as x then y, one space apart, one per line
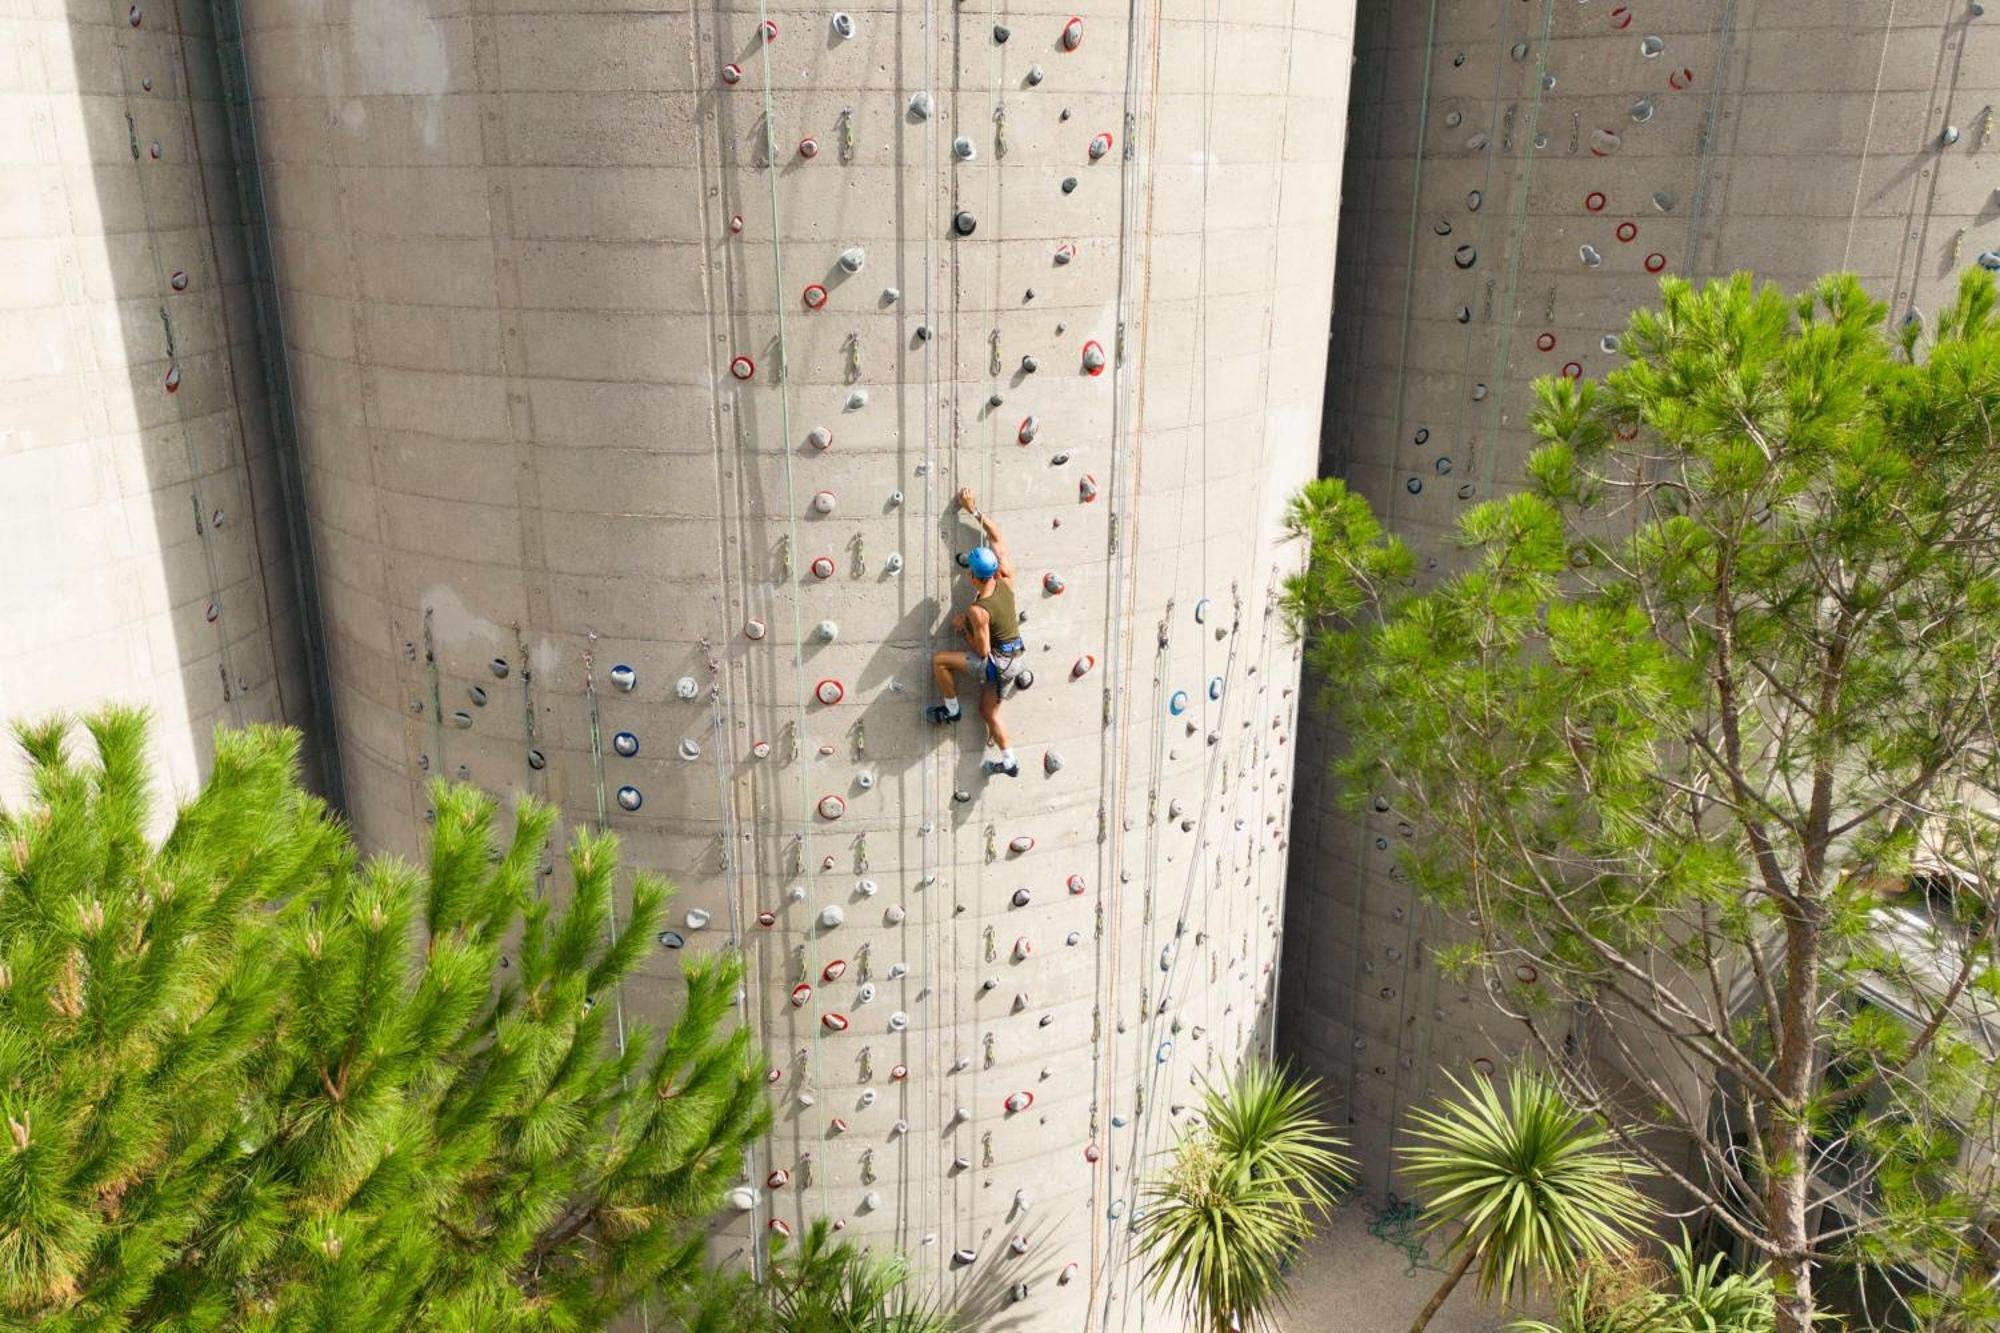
1438 1298
1788 1147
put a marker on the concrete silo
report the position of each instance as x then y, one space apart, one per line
145 554
638 356
1518 176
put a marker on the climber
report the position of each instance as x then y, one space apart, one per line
992 629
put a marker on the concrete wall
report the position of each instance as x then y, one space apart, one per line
1689 136
143 555
520 249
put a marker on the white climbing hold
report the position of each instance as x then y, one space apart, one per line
1082 667
963 149
897 1022
826 631
867 888
1052 761
1019 1245
852 258
894 914
753 629
831 915
1023 946
742 1198
819 437
823 502
800 994
871 1201
1021 844
833 1022
898 970
778 1179
687 687
921 105
1072 939
865 993
857 399
697 918
1068 1275
829 691
624 677
894 564
843 25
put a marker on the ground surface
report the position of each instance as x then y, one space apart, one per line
1352 1281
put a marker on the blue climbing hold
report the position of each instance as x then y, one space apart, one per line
1215 688
1989 260
1178 704
983 563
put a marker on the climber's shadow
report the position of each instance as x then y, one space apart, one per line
986 1293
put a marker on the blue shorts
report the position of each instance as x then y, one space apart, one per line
1002 673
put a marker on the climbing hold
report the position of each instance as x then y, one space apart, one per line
732 73
823 502
1052 761
1628 231
1052 584
742 1198
1589 255
1201 612
837 1126
1215 687
1022 896
1069 185
736 224
629 798
1160 1054
1100 144
1642 111
822 567
1621 16
1572 370
1076 884
761 749
686 687
1545 342
672 939
1177 702
833 971
1065 253
800 994
753 629
1086 489
920 105
894 914
1682 79
1001 33
1082 667
1029 365
1655 262
964 1256
1072 34
179 280
1989 260
962 148
1594 201
1020 844
1093 357
833 913
537 760
843 24
832 806
1028 429
1068 1274
1035 76
742 367
1092 1153
1023 946
778 1179
173 379
625 743
871 1201
1604 143
964 223
1465 256
833 1022
808 147
815 296
826 631
1650 46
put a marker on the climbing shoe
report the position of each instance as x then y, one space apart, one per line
939 713
1005 768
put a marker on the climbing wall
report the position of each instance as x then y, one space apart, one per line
640 354
1520 175
143 549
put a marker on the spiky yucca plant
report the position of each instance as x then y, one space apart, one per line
1531 1183
1239 1198
1685 1296
252 1083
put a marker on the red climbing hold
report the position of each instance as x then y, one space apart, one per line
1019 1101
770 30
1052 584
833 1022
1083 667
822 567
742 367
815 296
1572 371
173 380
1655 262
767 917
829 691
1681 79
1546 342
1594 201
1091 1152
808 147
1086 489
732 74
832 806
781 1226
1099 146
778 1179
834 970
800 994
1628 231
1076 884
1072 34
1621 17
1093 357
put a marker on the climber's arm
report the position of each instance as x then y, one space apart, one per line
970 504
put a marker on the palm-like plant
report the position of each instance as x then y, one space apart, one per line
1686 1296
1239 1198
1531 1182
831 1286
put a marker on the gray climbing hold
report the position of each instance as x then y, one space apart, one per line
625 743
963 149
964 223
857 399
1022 897
1989 259
690 748
1052 762
537 760
1948 136
853 258
921 105
843 25
1650 46
923 333
1642 110
1519 51
1588 254
1477 142
1463 314
1035 75
1069 184
671 939
1465 256
1029 365
629 798
1001 32
1474 199
1663 200
1453 119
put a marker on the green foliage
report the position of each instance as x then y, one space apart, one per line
252 1083
829 1287
1692 711
1689 1296
1533 1186
1239 1198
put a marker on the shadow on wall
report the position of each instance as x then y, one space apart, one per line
153 559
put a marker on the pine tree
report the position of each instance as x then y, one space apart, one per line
1699 743
250 1081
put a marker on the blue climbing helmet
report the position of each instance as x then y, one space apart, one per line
983 563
